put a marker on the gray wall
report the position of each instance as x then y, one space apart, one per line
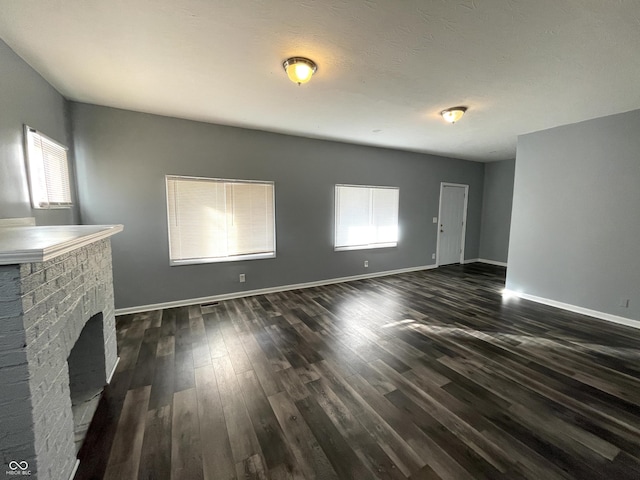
26 98
496 210
122 158
575 229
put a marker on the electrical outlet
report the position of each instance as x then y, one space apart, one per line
435 219
366 264
624 303
243 278
433 256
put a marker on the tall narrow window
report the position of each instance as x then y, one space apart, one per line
366 217
214 220
48 171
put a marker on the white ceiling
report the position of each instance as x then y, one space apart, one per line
386 68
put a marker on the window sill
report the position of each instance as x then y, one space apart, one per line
365 247
239 258
66 206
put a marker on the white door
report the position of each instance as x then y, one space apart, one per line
451 224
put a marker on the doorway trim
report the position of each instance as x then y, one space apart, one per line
464 216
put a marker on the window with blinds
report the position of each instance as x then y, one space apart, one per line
366 217
215 220
48 171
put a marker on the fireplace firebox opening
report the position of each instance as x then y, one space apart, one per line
87 376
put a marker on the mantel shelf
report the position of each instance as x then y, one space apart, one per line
28 244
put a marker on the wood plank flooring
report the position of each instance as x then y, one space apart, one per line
424 376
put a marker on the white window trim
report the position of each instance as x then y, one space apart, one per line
232 258
370 246
31 181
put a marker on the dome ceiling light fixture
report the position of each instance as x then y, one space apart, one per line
453 114
299 69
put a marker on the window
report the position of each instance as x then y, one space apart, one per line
48 171
366 217
214 220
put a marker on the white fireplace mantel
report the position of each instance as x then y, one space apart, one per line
28 244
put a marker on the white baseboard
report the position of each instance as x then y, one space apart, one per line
575 308
492 262
264 291
484 260
113 370
75 469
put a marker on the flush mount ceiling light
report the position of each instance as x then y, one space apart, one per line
452 115
299 69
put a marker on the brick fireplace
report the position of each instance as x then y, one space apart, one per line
57 343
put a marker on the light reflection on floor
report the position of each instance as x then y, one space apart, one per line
511 339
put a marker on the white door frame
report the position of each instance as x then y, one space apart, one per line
464 216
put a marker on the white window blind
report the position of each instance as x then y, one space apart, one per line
48 171
366 217
219 220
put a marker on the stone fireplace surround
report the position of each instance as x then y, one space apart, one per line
53 281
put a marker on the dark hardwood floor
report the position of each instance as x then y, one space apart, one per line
426 375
